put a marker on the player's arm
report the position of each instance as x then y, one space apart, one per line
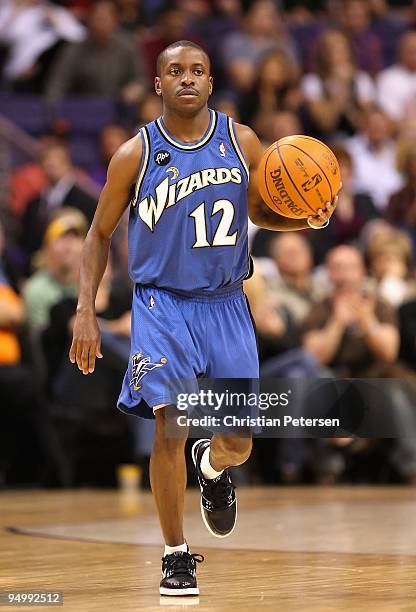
114 198
259 213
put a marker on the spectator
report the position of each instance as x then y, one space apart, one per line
355 334
281 124
354 210
263 31
351 331
401 209
279 307
26 428
305 27
389 261
113 306
295 288
172 25
57 275
111 138
86 404
149 109
273 326
227 103
374 153
396 86
26 183
198 14
130 15
338 91
388 25
33 30
366 45
407 319
226 19
376 229
105 64
276 88
60 191
12 314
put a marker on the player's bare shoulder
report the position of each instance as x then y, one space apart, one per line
121 175
125 163
250 144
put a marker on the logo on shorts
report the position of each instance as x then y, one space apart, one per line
162 158
140 366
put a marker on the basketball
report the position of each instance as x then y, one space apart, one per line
298 175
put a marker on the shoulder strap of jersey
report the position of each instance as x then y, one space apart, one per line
234 141
144 134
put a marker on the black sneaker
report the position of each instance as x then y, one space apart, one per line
218 500
179 574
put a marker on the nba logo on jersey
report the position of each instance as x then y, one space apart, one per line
222 149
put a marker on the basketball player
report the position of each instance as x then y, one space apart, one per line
194 172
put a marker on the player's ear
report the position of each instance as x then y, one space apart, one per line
211 85
158 88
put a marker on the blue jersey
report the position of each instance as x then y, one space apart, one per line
188 217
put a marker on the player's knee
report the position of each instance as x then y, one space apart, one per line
169 436
236 449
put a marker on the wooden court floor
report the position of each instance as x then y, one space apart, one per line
303 549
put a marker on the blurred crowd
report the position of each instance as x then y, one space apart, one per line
333 303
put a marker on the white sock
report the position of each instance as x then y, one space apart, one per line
206 468
171 549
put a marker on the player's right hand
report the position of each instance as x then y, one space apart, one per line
86 342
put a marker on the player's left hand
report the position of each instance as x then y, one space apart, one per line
324 214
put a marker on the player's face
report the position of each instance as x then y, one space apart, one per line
184 82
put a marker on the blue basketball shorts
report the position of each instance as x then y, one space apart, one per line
185 338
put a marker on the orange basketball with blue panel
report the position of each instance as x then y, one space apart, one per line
297 175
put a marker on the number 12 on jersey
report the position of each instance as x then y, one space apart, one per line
221 236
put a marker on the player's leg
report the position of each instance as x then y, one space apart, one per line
168 476
168 481
233 355
163 352
229 450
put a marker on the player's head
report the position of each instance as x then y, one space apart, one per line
184 80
